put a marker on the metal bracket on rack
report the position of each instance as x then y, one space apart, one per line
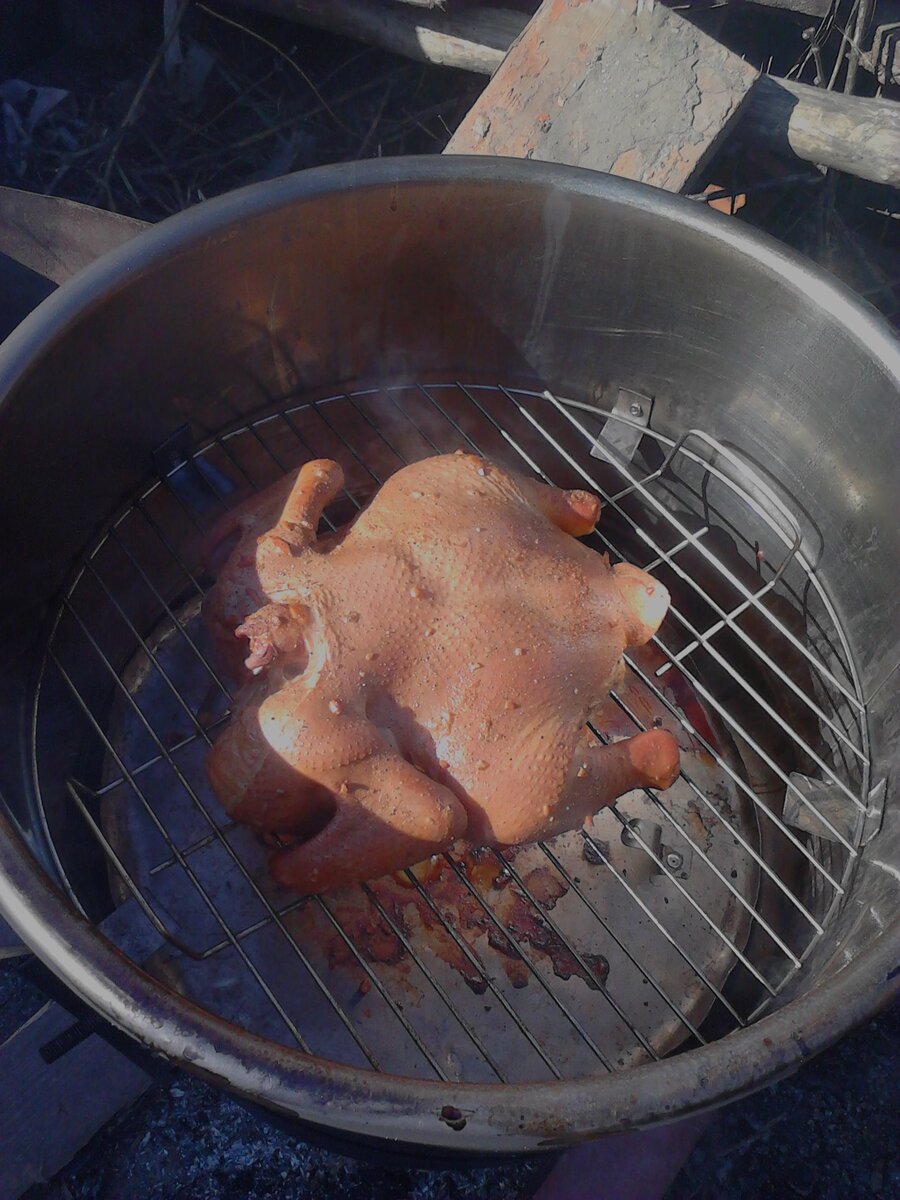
625 425
197 483
640 834
828 801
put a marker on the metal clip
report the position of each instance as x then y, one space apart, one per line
822 797
829 800
197 483
640 834
625 425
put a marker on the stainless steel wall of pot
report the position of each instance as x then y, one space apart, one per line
521 274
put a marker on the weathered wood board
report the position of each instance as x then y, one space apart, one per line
48 1111
60 1082
55 237
625 86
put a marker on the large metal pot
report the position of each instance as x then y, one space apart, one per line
740 412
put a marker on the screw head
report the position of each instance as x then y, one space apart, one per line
673 860
635 409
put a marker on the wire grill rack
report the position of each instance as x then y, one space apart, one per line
706 903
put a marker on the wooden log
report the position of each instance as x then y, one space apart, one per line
852 134
625 86
849 133
473 40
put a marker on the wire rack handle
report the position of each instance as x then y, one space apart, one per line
751 484
741 477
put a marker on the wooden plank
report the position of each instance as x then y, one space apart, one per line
55 237
633 1166
48 1111
60 1082
625 86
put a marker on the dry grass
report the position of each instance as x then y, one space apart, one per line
215 102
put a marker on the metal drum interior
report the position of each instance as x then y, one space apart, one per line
673 919
415 322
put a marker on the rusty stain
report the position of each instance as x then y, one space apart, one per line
546 886
728 205
453 1117
628 164
457 907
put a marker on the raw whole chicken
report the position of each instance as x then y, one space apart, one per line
425 675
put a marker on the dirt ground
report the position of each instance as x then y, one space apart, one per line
116 117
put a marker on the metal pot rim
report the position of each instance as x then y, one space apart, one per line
167 239
499 1118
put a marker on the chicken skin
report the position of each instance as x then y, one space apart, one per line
425 675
